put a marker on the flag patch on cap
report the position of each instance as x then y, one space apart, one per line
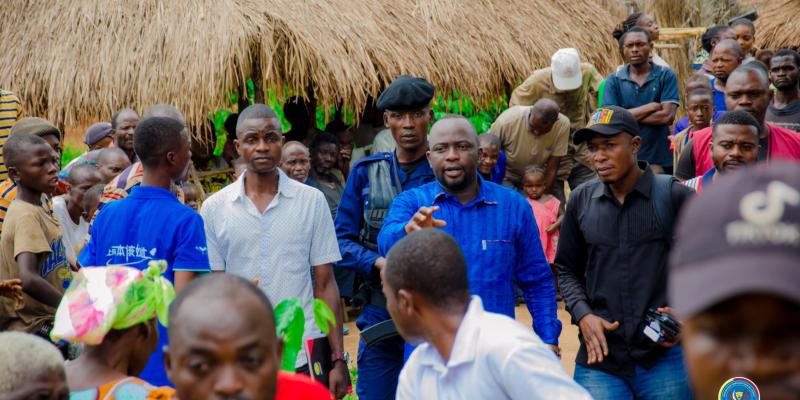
602 116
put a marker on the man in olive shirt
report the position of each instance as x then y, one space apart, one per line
535 135
573 85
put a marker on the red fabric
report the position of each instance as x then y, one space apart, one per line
784 144
297 386
546 214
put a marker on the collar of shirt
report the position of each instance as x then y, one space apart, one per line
464 346
285 187
485 194
644 185
151 192
422 170
654 73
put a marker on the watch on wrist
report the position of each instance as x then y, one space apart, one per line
339 357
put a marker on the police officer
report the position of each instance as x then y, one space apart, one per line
373 183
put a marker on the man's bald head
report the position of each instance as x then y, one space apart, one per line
452 123
545 111
728 45
166 111
207 289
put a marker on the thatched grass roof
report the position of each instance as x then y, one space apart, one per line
776 26
73 61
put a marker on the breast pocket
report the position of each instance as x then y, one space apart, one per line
494 253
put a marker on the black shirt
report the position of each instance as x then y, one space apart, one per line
612 262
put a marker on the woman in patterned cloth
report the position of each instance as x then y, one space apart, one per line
112 311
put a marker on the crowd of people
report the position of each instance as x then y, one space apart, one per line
673 245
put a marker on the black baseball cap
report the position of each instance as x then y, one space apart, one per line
741 235
608 121
406 93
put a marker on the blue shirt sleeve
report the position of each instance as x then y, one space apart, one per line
611 95
669 89
191 251
349 216
403 208
534 276
682 124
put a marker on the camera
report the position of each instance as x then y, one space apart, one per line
660 327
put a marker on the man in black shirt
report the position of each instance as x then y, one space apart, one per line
784 72
611 262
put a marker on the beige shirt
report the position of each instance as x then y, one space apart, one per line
578 105
31 229
522 147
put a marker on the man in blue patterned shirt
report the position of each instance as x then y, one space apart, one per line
493 225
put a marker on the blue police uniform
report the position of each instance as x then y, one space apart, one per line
373 183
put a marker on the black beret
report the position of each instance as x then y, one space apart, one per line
406 93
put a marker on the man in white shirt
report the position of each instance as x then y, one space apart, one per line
468 353
273 228
68 209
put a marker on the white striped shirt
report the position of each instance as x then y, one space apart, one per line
279 247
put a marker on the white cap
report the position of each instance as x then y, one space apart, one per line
566 67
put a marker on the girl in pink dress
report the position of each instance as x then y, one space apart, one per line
546 210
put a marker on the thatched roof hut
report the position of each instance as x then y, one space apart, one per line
79 61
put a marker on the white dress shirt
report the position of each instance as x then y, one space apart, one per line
493 357
279 247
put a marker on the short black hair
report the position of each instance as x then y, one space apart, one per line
322 138
214 284
635 29
255 111
626 25
788 53
701 92
753 66
714 32
80 170
546 110
489 138
429 262
745 22
17 146
736 118
109 151
155 137
115 117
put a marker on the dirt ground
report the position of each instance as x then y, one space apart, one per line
568 339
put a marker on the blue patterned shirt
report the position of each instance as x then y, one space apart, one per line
500 241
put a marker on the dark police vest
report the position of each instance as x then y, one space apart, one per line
384 186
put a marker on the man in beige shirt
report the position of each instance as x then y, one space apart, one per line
573 85
533 135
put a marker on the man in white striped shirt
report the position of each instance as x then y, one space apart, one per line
268 226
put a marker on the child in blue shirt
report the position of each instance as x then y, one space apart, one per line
151 224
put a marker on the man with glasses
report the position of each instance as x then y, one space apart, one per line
373 183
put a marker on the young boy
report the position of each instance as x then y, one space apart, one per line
699 109
190 196
491 160
151 223
31 244
69 209
91 200
52 136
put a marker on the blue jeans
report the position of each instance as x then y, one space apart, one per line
379 365
666 380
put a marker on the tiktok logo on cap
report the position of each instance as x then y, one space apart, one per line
762 212
739 389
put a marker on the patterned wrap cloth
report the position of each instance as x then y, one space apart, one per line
116 297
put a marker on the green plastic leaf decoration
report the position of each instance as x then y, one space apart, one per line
323 316
290 324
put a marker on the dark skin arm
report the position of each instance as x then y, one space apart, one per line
550 173
182 278
644 111
664 116
32 283
326 290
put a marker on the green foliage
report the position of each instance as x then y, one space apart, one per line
70 153
290 324
480 117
